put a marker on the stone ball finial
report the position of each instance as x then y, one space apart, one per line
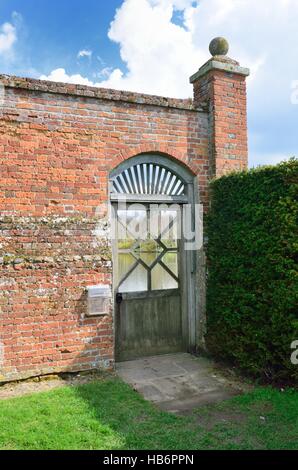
219 46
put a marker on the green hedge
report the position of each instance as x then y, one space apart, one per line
252 314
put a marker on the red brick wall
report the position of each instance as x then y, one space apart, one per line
224 95
58 144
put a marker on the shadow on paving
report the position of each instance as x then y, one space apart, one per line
178 383
136 422
262 419
101 411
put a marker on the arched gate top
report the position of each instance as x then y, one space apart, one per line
150 175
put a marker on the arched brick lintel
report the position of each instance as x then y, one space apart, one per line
165 150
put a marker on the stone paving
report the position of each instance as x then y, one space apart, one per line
179 383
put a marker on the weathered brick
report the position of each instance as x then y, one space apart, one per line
58 144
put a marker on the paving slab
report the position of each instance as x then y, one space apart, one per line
178 383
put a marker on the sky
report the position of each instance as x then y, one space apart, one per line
154 46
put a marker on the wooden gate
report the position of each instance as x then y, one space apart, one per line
152 281
148 299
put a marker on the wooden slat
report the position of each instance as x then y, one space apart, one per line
149 179
152 294
148 198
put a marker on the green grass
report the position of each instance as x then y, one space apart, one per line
109 415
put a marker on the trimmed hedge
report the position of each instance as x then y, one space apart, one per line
252 315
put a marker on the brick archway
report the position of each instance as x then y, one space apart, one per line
162 149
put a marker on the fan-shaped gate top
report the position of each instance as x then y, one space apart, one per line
148 178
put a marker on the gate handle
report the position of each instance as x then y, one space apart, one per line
119 298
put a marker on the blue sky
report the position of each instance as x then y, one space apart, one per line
153 46
50 33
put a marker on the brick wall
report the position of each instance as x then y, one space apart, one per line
223 94
58 144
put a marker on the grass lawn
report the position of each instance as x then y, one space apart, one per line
109 415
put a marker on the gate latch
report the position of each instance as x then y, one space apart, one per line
119 298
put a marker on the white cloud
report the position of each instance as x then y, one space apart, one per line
8 37
176 4
84 53
60 75
104 73
9 32
160 55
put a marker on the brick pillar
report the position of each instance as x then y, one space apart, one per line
220 87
